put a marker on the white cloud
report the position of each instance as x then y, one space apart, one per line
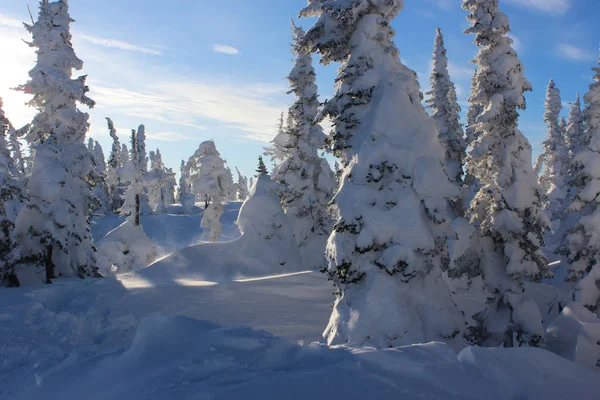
190 103
574 53
545 6
221 48
117 44
10 22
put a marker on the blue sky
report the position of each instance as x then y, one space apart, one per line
193 70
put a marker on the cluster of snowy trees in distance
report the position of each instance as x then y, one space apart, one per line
430 229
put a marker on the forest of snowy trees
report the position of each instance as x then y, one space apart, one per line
430 229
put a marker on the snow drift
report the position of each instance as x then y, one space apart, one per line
266 247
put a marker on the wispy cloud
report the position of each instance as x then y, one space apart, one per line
117 44
545 6
250 109
10 22
574 53
222 48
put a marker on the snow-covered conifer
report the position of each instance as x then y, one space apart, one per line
101 190
10 193
90 145
445 111
135 198
242 186
388 274
261 169
506 209
551 162
54 226
276 151
208 176
184 194
115 161
141 148
581 243
307 177
125 154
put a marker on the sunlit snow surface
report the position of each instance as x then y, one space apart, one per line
146 336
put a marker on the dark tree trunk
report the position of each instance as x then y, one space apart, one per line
49 265
137 209
206 201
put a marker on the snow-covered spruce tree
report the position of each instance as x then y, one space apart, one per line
17 165
101 190
551 162
581 243
160 181
10 195
208 176
577 141
261 169
232 191
53 227
125 154
472 131
276 151
184 194
388 246
307 178
135 198
242 186
506 209
141 148
115 162
443 103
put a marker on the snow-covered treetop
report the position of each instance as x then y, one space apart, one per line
445 111
591 114
276 151
553 108
495 91
141 148
576 137
115 160
208 174
54 92
331 34
5 158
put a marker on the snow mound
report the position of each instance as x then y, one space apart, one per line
575 335
182 358
266 247
125 249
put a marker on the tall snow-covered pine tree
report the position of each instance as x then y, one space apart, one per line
54 226
506 209
387 247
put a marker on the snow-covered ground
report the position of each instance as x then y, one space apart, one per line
155 335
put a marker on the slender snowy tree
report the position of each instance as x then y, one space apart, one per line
551 162
242 186
136 201
581 243
17 164
443 103
307 178
54 226
209 177
388 275
115 162
125 154
185 195
10 193
276 151
141 148
577 141
506 209
101 190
